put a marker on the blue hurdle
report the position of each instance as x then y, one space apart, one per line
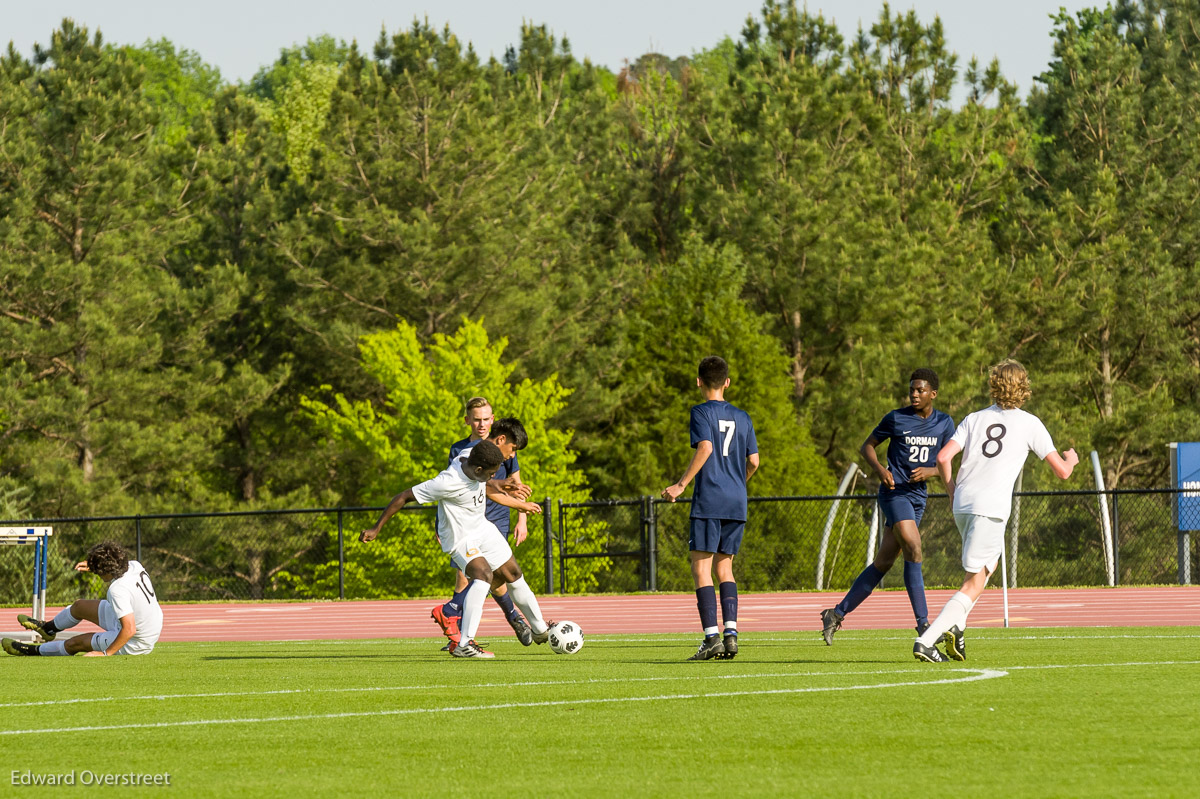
40 538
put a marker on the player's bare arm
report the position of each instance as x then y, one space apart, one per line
1063 464
395 506
128 630
501 498
945 466
521 530
867 450
703 451
512 486
751 466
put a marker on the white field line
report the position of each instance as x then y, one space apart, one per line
974 675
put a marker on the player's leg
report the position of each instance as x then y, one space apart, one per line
479 573
449 614
703 540
504 601
97 611
521 594
867 580
982 539
68 617
728 547
908 534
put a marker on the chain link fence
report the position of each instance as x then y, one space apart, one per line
1072 538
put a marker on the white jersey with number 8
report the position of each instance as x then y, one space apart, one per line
995 443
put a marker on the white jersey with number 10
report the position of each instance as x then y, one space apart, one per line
995 443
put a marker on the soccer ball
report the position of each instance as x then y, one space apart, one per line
566 638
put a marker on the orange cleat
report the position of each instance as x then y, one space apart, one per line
449 624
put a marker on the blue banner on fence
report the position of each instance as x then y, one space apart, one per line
1187 480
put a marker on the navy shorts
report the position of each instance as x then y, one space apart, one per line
716 535
898 506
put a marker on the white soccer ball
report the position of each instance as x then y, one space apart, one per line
566 638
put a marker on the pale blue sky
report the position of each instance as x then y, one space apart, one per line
239 37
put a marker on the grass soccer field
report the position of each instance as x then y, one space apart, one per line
1033 712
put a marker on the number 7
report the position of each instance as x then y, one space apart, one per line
727 428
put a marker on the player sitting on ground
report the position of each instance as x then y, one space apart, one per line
994 443
915 435
474 544
129 616
509 435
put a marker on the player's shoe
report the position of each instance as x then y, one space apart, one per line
470 649
39 627
522 630
449 624
922 626
956 643
831 622
13 647
542 637
929 654
730 644
711 647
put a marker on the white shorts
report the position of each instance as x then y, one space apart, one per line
982 541
486 542
112 628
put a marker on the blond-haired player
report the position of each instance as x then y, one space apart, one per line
994 443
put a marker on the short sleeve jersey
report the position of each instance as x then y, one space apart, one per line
995 443
720 491
133 593
912 441
461 508
497 514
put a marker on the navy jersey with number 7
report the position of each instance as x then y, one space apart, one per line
720 491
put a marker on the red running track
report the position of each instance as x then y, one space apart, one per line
676 613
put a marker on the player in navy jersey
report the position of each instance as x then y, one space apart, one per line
510 436
915 435
726 456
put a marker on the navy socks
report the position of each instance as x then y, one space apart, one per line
914 583
863 585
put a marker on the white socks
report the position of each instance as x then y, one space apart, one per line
54 647
954 614
472 610
64 620
524 599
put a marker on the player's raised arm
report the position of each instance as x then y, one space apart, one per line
1063 464
501 498
393 507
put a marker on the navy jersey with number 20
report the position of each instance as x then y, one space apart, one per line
721 484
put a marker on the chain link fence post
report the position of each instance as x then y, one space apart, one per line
341 559
548 531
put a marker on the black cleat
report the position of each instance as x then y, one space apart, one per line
522 630
831 622
14 647
709 649
730 644
929 654
922 626
40 627
956 644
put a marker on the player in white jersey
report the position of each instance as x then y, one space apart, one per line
994 443
474 544
129 616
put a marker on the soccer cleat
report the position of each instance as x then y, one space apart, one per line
831 622
710 648
470 649
39 627
956 643
524 633
13 647
922 626
730 644
929 654
542 637
449 624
